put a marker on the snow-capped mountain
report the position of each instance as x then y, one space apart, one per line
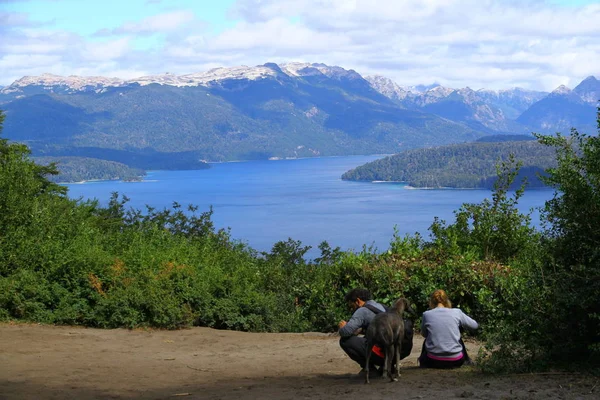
67 83
561 90
388 88
565 108
589 90
481 109
241 113
487 109
51 82
312 69
82 83
431 96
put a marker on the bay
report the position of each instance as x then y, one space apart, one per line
263 202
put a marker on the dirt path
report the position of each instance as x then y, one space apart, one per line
48 362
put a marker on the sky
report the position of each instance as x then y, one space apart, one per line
493 44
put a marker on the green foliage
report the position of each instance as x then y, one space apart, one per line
76 169
573 240
493 229
557 322
467 165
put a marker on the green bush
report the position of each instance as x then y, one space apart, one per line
557 323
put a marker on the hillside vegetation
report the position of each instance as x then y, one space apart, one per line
535 293
76 169
467 165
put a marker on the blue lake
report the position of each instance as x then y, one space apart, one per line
267 201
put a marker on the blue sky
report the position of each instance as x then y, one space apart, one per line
573 3
86 17
537 44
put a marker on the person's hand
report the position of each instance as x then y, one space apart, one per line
342 324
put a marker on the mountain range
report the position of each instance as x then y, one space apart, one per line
513 110
269 111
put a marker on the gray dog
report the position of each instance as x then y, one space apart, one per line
386 330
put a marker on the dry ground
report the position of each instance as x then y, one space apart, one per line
50 362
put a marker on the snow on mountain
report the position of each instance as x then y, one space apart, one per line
563 92
492 108
207 78
562 89
469 95
301 69
387 87
163 79
422 88
433 95
72 82
589 90
520 98
488 105
296 69
224 73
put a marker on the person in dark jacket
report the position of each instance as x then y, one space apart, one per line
359 300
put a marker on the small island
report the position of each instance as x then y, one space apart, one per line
83 169
464 166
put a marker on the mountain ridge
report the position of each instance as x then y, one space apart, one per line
286 110
207 78
270 111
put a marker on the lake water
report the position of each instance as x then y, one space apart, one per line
267 201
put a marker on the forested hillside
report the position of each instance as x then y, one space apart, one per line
76 169
468 165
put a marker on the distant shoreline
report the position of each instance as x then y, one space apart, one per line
218 162
298 158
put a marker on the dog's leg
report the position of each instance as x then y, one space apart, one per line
398 348
389 359
368 358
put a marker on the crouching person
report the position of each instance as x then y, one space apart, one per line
352 339
441 326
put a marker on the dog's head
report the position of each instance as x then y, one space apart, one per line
402 305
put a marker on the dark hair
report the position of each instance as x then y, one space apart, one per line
358 293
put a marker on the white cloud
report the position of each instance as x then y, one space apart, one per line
457 42
477 43
106 51
162 23
28 62
38 41
277 34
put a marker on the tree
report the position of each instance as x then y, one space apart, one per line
493 229
573 244
21 182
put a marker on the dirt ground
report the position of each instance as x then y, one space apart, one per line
50 362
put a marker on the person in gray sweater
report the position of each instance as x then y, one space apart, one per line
365 309
441 326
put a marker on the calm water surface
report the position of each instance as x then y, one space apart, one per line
267 201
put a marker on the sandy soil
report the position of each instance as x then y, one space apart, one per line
48 362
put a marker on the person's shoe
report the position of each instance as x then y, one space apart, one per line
469 362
